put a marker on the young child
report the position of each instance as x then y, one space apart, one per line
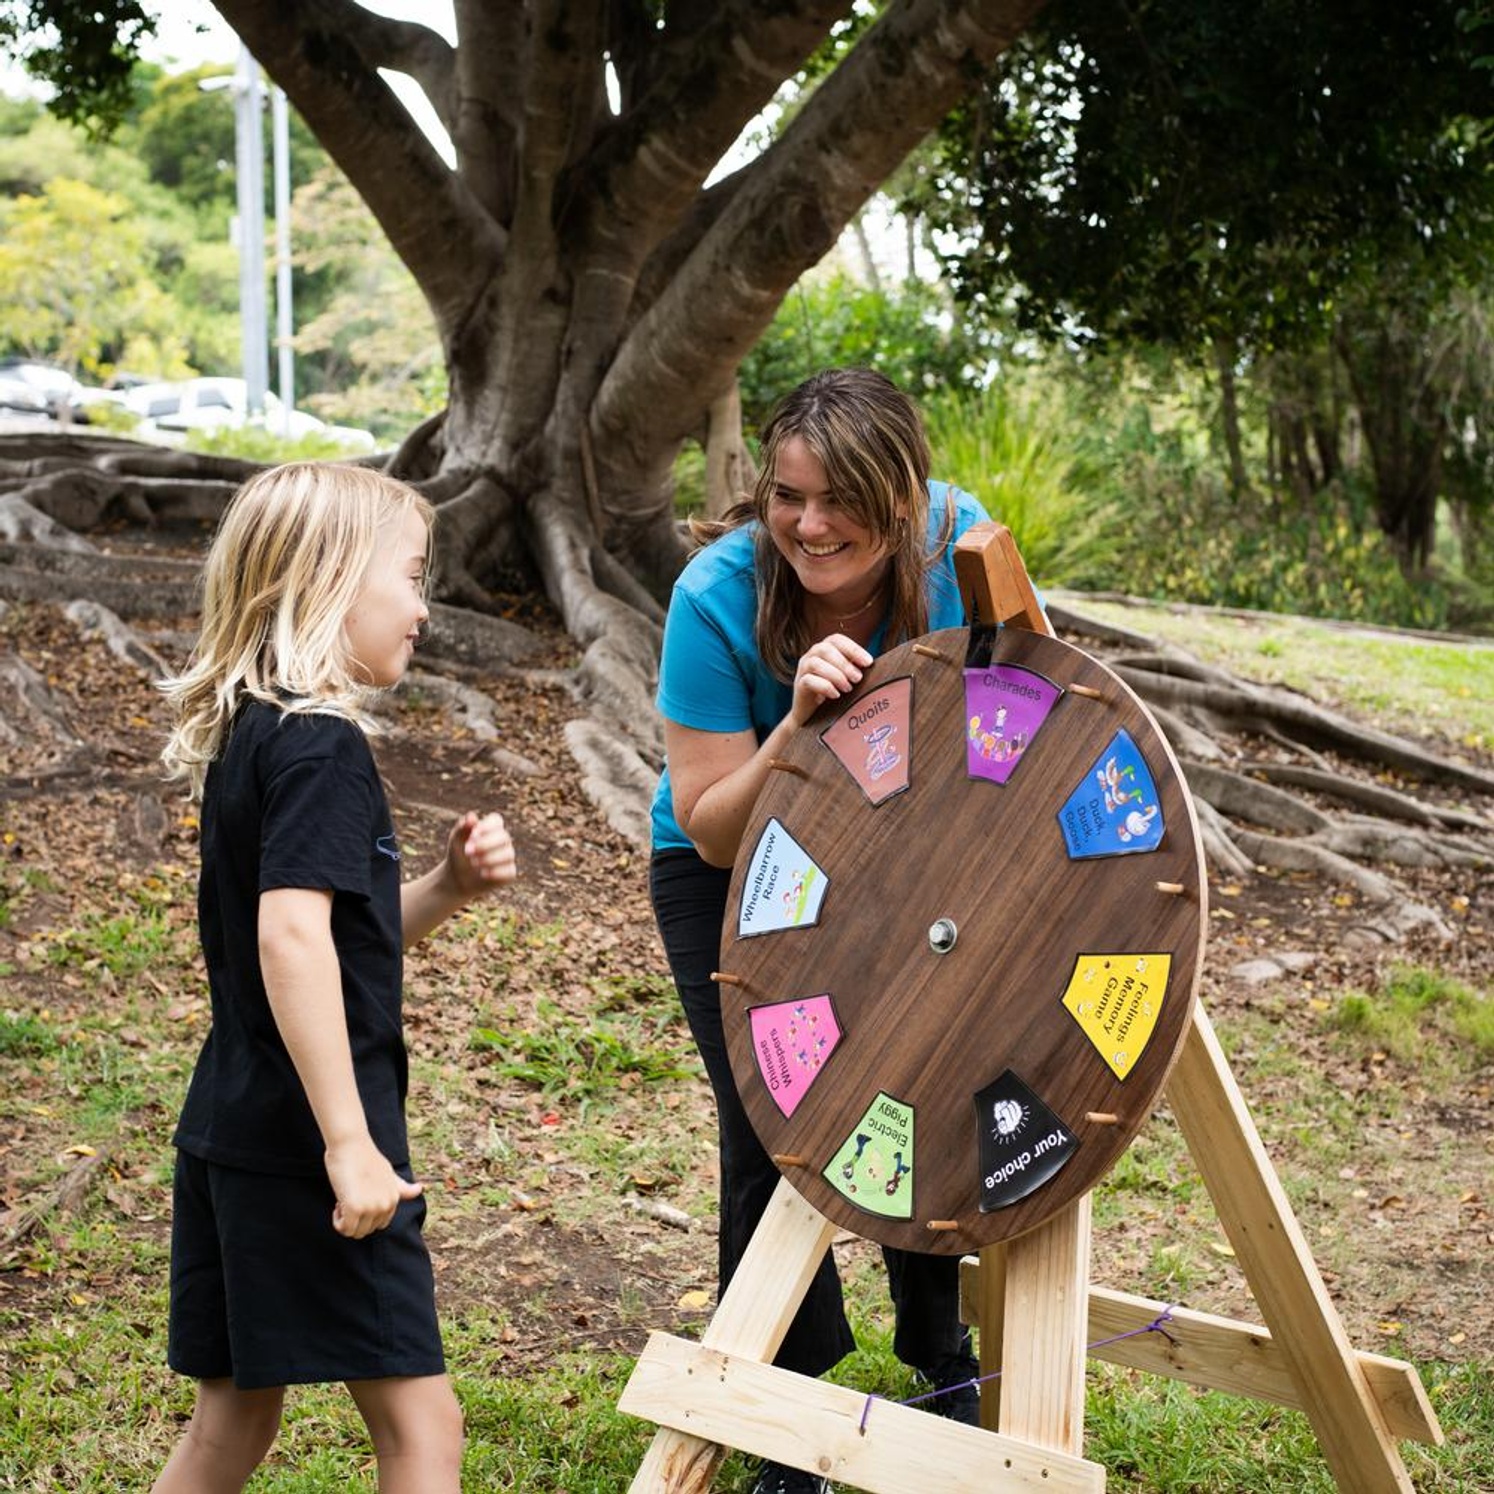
297 1253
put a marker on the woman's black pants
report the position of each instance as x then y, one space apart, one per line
689 899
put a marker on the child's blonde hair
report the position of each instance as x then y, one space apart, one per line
283 572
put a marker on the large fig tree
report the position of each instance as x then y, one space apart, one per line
595 286
592 293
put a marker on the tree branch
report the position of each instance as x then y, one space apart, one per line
436 225
489 98
654 159
897 84
415 50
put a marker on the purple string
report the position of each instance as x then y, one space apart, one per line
1157 1325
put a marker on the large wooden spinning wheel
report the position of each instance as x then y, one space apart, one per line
963 941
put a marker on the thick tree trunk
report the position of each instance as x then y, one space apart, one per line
1229 415
1405 430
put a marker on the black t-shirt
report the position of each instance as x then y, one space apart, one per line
294 801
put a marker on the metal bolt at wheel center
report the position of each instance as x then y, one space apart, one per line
942 935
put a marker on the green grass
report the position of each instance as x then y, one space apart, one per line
1167 1438
568 1058
25 1035
257 444
123 944
1422 1018
88 1406
91 1055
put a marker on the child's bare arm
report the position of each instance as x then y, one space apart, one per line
479 856
299 963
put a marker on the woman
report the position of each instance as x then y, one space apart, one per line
843 550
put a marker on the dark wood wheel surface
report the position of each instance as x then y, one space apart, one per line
963 941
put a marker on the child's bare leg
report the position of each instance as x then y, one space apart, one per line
416 1427
230 1432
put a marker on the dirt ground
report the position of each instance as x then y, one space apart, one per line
561 1250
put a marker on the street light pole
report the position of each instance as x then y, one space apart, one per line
249 161
280 134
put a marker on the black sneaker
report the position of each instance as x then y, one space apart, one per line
776 1478
953 1392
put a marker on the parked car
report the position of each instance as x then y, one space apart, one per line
35 388
17 397
173 409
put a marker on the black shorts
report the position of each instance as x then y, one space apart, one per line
264 1291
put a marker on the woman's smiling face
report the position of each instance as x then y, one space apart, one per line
833 555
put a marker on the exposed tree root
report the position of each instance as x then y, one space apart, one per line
1190 688
30 708
136 586
86 497
1219 848
20 521
1386 801
123 642
476 638
1251 801
1268 767
1250 817
616 779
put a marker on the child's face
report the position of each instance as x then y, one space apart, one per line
384 624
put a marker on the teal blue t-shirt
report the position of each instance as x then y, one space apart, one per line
710 675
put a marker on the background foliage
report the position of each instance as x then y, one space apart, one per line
1213 322
118 256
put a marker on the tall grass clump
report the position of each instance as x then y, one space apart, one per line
1420 1016
1015 447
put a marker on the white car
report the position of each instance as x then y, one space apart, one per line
173 409
34 388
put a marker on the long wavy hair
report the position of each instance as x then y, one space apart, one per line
282 574
870 438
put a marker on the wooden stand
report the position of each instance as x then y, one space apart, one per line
1031 1300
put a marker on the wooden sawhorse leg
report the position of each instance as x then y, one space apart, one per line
751 1320
1268 1242
725 1387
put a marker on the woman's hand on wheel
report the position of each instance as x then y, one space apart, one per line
829 669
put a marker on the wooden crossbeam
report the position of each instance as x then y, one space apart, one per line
882 1447
1219 1353
754 1314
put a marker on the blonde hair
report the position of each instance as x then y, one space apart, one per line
283 572
870 438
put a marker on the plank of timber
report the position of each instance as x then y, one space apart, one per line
1215 1353
983 1306
882 1447
1042 1361
770 1282
1269 1245
754 1314
1244 1359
